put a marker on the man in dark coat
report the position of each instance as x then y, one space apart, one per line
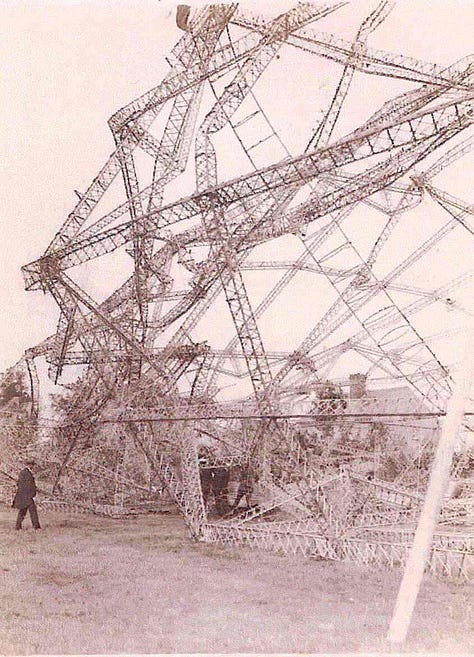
24 497
245 488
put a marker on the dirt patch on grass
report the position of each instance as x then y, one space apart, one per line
91 585
54 578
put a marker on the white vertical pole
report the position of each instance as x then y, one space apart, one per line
437 486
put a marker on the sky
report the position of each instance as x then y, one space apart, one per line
67 66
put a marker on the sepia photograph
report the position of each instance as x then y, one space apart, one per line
237 327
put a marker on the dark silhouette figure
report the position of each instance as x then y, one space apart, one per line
220 488
23 501
245 487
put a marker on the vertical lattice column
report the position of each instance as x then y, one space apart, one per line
191 484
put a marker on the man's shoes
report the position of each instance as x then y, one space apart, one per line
36 528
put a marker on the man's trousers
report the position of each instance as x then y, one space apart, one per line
33 515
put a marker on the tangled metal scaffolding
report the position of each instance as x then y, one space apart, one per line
148 417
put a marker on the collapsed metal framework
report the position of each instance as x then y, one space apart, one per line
149 391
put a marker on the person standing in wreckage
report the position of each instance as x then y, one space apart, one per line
24 497
214 479
245 488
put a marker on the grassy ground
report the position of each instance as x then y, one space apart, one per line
90 585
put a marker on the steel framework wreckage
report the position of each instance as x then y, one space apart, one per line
146 418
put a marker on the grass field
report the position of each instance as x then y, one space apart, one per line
92 585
